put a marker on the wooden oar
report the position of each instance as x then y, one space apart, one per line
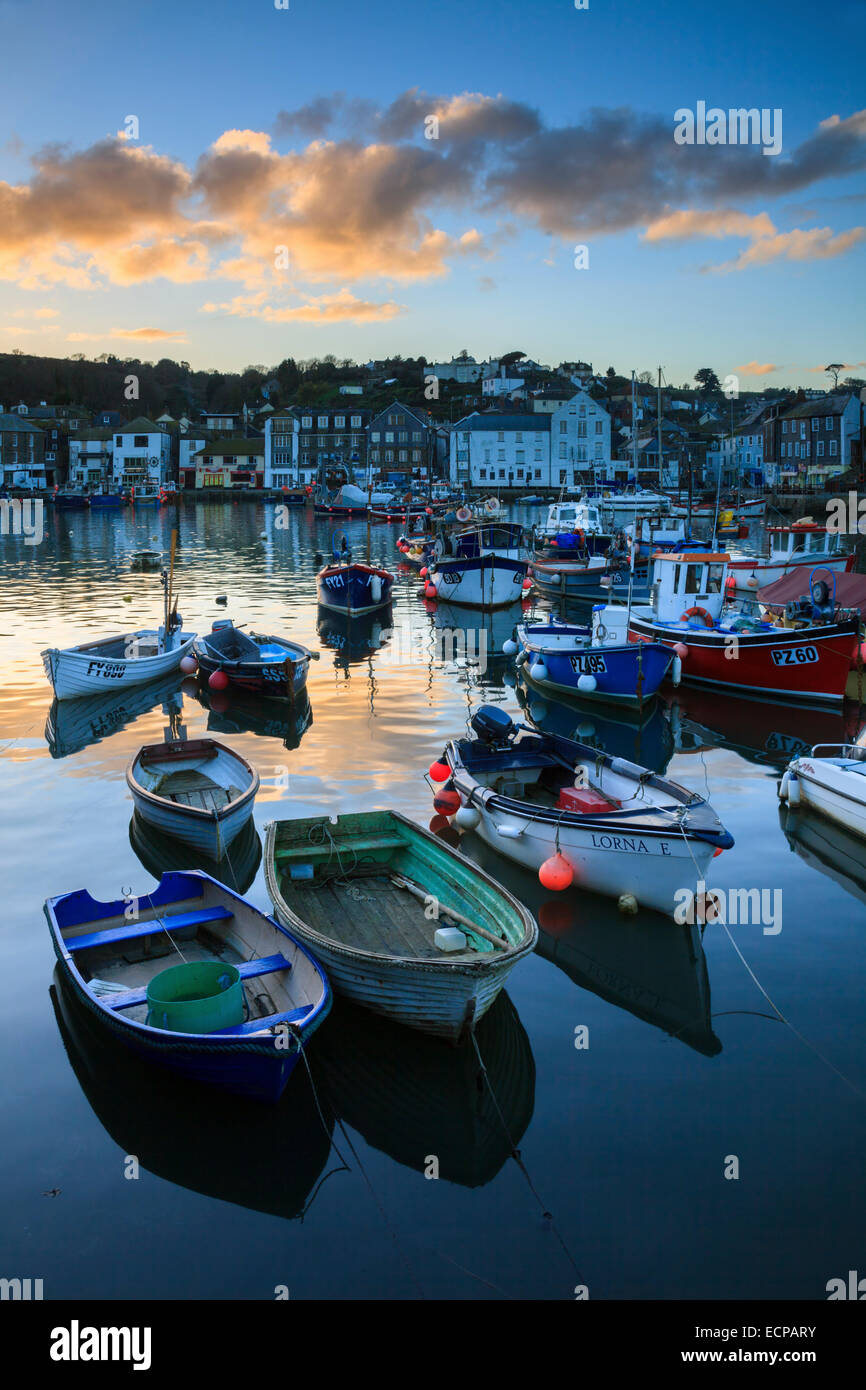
419 893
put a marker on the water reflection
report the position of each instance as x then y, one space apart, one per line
410 1095
266 1158
643 736
160 854
75 724
766 732
232 712
827 847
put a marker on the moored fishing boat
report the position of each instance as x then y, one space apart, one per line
597 662
357 891
262 665
789 548
830 779
607 824
354 587
256 973
480 567
196 789
809 661
112 663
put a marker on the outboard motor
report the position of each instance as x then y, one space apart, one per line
493 726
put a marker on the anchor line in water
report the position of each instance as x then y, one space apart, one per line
515 1154
774 1006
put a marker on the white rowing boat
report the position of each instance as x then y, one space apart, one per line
195 789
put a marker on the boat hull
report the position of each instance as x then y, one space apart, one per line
827 789
651 866
210 838
579 581
354 588
485 581
268 679
75 673
629 674
807 663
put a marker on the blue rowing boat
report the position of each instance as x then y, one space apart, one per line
113 956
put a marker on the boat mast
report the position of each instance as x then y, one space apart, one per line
659 427
633 433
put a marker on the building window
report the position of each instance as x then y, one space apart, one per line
374 436
307 422
820 449
501 437
502 472
563 427
482 473
834 448
816 423
828 423
356 422
339 422
323 422
562 472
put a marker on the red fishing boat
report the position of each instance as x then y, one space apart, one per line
809 660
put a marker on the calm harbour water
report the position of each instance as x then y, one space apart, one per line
626 1141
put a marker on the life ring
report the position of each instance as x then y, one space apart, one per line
464 514
491 506
696 612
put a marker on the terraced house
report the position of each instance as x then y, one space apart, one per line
229 464
400 440
22 449
142 455
331 440
815 437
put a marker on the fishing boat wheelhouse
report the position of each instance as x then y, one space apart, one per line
810 660
802 543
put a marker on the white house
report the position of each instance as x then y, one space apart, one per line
281 452
579 442
463 369
501 451
91 458
190 445
503 384
142 455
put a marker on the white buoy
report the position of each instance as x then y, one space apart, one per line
376 587
793 790
509 648
677 670
586 683
537 711
520 658
627 903
467 818
538 671
509 679
784 784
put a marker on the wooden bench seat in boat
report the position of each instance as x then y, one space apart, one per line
154 924
345 847
255 1025
191 787
248 969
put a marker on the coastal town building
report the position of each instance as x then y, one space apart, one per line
229 464
22 450
489 450
282 434
142 455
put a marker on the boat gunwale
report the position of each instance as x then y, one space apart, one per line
478 964
194 813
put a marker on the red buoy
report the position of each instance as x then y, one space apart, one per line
439 772
447 803
430 591
217 680
423 571
555 873
527 583
437 823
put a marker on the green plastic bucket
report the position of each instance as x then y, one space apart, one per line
198 997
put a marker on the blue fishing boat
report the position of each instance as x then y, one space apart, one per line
235 1012
592 579
350 586
596 662
71 501
101 500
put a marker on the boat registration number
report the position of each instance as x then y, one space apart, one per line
795 656
588 665
107 670
452 576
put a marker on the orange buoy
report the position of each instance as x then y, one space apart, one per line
555 873
217 680
447 803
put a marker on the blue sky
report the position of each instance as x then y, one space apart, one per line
457 245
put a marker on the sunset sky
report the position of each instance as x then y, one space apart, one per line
304 129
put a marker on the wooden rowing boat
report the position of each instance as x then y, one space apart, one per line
260 664
349 888
109 953
195 789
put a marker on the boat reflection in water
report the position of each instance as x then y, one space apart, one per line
231 712
648 965
827 847
764 731
643 736
474 637
353 640
74 724
265 1158
410 1095
161 853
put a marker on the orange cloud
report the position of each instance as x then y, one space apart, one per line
147 334
342 307
757 368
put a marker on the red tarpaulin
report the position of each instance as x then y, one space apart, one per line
850 588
